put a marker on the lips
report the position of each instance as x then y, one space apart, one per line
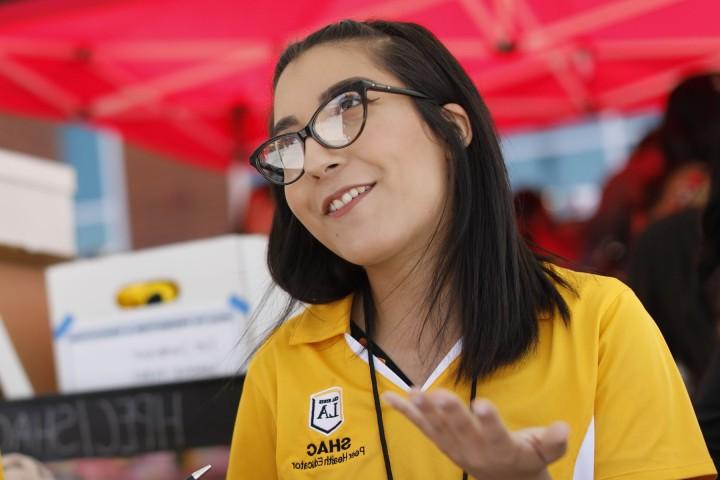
344 197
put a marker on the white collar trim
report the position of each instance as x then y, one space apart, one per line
385 371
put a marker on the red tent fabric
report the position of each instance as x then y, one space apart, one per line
193 78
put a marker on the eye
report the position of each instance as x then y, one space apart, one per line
348 100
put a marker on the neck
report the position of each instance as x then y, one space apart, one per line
400 291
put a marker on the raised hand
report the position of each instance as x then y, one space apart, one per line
476 438
21 467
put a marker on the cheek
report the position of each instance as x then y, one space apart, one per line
297 200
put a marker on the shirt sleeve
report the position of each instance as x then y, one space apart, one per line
252 453
644 422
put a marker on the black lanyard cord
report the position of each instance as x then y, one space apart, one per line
473 392
369 312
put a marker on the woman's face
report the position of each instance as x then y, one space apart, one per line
397 169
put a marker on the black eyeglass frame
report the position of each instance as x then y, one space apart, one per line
361 87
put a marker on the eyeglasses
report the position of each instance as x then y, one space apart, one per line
336 124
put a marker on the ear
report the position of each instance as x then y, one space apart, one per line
459 116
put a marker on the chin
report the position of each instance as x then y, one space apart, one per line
365 253
369 246
361 257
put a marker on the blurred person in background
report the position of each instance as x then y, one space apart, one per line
666 173
624 201
543 234
706 281
673 259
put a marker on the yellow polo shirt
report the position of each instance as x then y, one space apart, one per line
306 409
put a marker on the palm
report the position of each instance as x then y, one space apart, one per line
476 439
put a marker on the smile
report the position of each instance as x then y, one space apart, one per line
341 202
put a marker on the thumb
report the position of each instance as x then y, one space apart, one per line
551 442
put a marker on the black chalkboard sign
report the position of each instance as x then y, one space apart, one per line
121 422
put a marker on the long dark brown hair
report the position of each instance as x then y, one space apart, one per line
497 285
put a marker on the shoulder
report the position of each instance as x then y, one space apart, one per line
276 345
607 314
603 307
586 291
311 325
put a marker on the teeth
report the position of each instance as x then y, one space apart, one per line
347 198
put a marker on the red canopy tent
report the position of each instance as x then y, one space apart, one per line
193 78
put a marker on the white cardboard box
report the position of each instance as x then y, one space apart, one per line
14 381
36 204
204 333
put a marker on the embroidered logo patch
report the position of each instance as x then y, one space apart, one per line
326 410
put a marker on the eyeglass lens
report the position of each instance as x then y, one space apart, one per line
336 125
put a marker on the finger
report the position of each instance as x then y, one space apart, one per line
431 410
463 439
24 465
493 428
43 472
551 442
408 409
444 414
459 420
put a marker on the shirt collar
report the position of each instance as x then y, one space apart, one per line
321 322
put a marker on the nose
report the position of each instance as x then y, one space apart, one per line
320 161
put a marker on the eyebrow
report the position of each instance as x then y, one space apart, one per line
327 94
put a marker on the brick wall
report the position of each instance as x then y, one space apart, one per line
30 136
170 201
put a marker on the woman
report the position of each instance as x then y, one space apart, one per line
394 221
